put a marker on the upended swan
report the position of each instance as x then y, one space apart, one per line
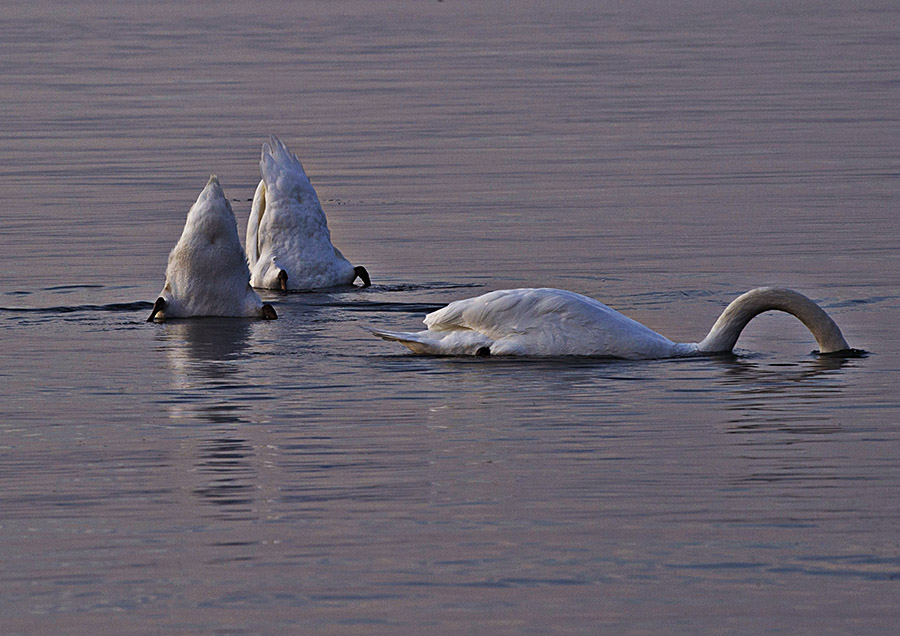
207 272
288 242
554 322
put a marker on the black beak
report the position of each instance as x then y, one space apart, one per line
282 280
158 306
362 274
268 312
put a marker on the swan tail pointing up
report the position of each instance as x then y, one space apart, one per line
277 160
724 334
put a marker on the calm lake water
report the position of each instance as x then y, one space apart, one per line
301 477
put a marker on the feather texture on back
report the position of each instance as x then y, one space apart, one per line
555 322
534 322
207 273
288 242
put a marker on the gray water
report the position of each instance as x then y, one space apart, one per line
301 477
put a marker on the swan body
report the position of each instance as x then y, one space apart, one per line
288 242
555 322
207 272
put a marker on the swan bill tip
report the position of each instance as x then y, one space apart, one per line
268 312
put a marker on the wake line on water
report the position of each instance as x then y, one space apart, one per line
426 286
379 287
355 306
69 309
414 308
71 287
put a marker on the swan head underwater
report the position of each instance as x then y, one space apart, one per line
555 322
288 243
207 273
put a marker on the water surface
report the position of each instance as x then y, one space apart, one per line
300 476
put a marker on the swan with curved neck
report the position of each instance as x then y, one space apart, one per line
288 243
555 322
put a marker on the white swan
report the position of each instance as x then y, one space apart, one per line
554 322
288 242
207 272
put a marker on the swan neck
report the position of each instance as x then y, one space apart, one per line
725 332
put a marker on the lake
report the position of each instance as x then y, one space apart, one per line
224 476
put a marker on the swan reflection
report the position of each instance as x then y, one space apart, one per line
792 398
225 461
206 350
207 357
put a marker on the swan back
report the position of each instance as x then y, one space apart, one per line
725 332
207 273
549 322
287 230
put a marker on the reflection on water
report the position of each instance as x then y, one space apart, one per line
790 397
226 461
205 351
748 376
785 434
206 356
747 368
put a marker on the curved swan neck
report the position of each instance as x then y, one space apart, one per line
724 334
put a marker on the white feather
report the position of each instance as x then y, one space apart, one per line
554 322
207 272
287 229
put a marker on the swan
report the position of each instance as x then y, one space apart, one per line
288 242
207 272
555 322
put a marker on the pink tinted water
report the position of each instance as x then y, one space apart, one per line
302 477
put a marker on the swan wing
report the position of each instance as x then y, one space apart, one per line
549 322
257 210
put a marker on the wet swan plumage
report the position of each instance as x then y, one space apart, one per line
554 322
207 272
288 242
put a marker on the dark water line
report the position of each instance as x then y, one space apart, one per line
68 309
376 287
384 306
68 287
